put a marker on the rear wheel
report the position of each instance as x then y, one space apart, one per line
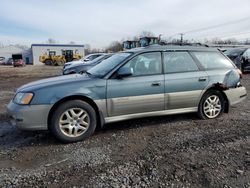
60 63
73 121
212 105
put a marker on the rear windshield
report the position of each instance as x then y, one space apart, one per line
213 60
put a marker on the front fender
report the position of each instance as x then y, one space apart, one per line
94 90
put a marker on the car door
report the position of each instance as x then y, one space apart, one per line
141 92
184 82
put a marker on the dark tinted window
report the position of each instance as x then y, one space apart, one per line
212 60
108 64
235 51
93 57
146 64
178 62
247 53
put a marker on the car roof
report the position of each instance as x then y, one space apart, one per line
171 47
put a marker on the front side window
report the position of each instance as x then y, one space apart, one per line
213 60
175 62
145 64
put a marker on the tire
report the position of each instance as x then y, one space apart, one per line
212 105
67 127
48 62
60 63
243 69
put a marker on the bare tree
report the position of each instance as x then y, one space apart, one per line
115 46
23 47
147 34
87 49
51 41
246 42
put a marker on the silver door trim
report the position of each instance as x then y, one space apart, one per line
149 114
183 99
146 103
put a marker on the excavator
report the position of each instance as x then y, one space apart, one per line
129 44
146 41
143 42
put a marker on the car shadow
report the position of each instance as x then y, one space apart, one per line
147 121
11 137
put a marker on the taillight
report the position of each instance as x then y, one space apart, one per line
240 73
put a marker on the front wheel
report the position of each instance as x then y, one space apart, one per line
212 105
73 121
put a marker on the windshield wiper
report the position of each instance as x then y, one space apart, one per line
88 73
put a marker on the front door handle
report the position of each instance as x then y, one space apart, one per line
202 79
156 84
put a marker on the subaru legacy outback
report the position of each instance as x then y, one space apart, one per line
142 82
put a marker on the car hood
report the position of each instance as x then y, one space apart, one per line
79 66
74 62
49 82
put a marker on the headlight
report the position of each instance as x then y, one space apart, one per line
23 98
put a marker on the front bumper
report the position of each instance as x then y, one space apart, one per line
29 117
236 95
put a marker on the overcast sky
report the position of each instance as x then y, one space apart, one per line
99 22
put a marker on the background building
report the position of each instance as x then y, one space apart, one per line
38 50
8 51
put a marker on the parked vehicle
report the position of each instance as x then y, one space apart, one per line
91 57
142 82
87 58
51 58
83 67
129 44
2 62
18 60
9 61
240 57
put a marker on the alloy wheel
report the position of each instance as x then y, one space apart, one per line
74 122
212 106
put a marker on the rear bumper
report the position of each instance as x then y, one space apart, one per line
29 117
236 95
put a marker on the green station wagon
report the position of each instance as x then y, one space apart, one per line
142 82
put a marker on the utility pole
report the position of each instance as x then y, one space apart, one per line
181 37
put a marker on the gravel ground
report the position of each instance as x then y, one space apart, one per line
169 151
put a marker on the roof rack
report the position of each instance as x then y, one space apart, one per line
184 44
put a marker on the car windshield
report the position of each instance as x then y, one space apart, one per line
235 51
107 65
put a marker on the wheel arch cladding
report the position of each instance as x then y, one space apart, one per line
82 98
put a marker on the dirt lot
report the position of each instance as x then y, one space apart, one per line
170 151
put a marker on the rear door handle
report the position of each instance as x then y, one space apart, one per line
202 79
156 84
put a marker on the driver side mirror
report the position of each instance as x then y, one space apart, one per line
125 72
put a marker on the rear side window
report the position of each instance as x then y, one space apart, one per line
213 60
175 62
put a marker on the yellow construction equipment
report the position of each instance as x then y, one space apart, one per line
50 57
